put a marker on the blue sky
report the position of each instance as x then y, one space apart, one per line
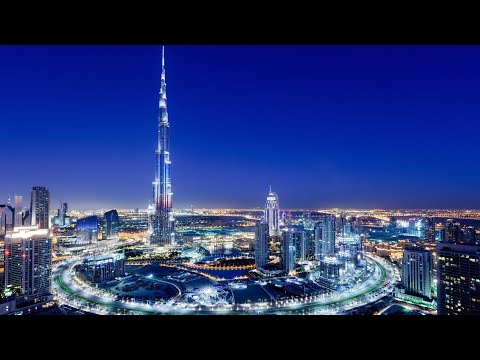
326 126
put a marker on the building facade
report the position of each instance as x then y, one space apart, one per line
272 213
318 239
328 236
104 268
429 229
18 201
469 235
458 285
300 241
261 244
40 207
87 230
417 272
112 224
449 231
162 220
28 264
288 250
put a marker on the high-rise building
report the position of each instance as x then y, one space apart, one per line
449 231
3 220
341 225
417 271
62 219
261 244
64 209
458 285
163 222
469 235
429 229
288 250
28 263
309 248
441 235
40 207
104 268
457 233
308 222
87 230
357 225
325 235
272 213
300 240
18 201
328 236
112 224
318 239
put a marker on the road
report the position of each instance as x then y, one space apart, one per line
72 291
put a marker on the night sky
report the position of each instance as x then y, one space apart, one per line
326 126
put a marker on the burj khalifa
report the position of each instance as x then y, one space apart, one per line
162 220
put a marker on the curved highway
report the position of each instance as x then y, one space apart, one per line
76 293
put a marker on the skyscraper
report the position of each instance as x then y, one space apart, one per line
449 230
458 272
328 236
341 225
87 230
417 271
288 250
300 241
261 244
112 223
469 235
325 235
429 229
40 207
28 263
3 220
318 239
162 222
272 214
457 233
18 200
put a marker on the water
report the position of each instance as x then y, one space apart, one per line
221 250
227 274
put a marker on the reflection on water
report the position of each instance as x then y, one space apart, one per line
217 250
227 274
223 250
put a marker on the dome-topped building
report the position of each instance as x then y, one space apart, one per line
272 213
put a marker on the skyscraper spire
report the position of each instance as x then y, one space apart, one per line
163 57
270 188
162 222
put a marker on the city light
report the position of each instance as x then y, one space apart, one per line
266 259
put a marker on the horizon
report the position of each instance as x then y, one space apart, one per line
361 127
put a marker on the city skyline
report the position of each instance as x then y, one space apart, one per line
327 126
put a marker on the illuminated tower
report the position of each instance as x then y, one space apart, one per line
40 207
288 250
458 272
272 213
325 231
28 263
449 231
162 222
429 228
261 244
18 200
417 271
